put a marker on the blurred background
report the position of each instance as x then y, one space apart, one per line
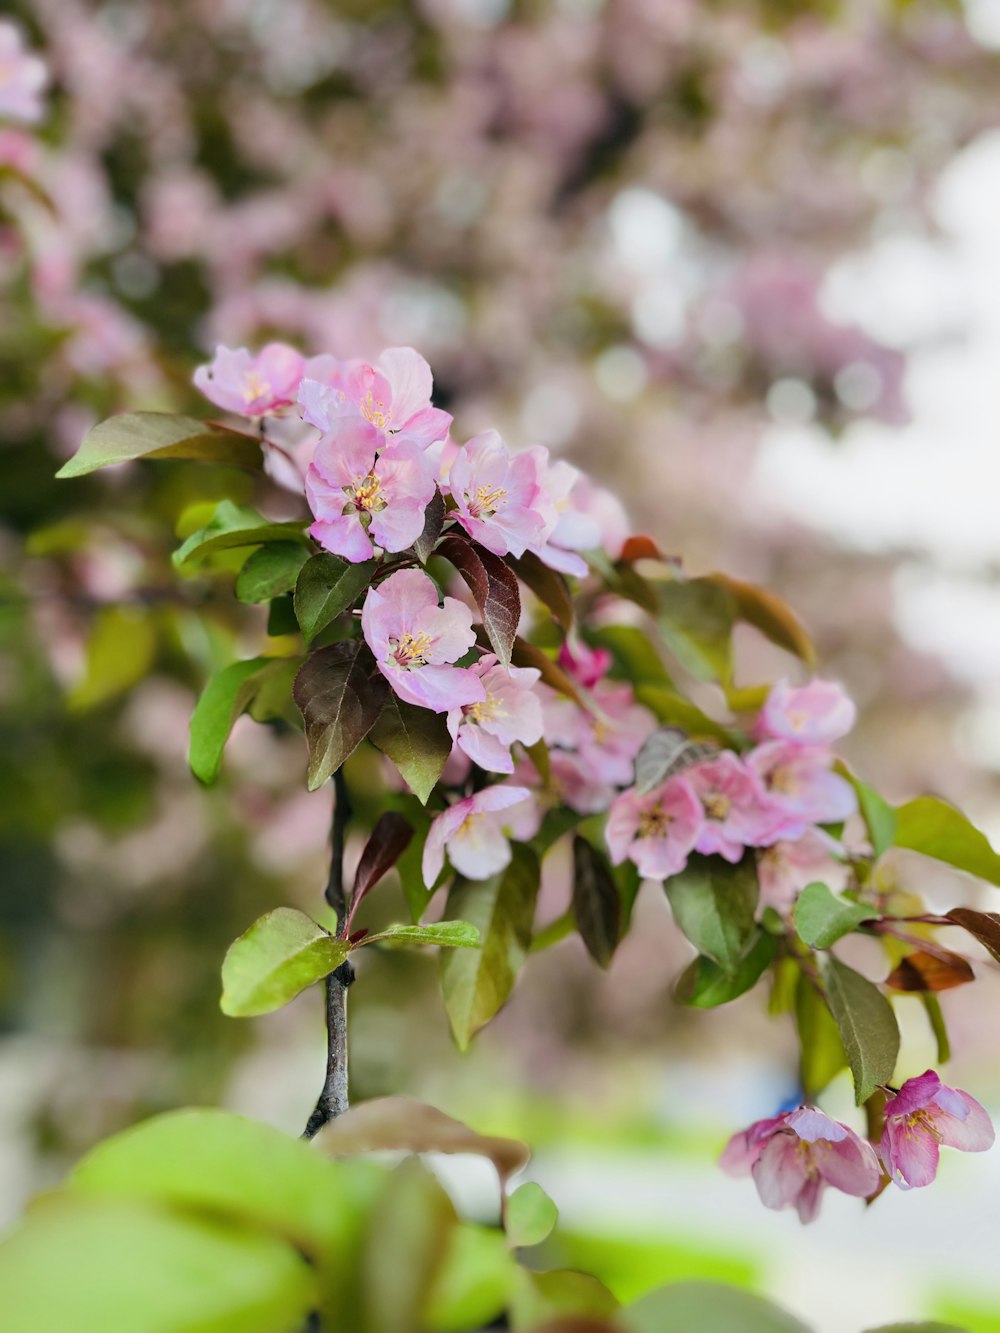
738 260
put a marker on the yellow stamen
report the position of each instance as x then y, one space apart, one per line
654 823
487 500
375 410
409 651
255 386
366 494
486 710
716 805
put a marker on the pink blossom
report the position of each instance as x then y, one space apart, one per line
922 1116
793 1156
394 395
738 813
573 530
251 386
813 714
477 846
571 782
414 641
585 664
784 869
510 712
799 781
22 77
657 831
607 739
498 496
359 497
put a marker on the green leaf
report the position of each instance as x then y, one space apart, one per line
94 1265
219 1163
473 1284
821 1050
935 1017
704 984
228 694
270 571
548 585
340 693
232 526
493 586
713 903
280 955
477 982
531 1216
416 740
866 1022
768 613
597 907
708 1307
407 1240
328 586
933 1327
937 829
558 1295
822 918
160 435
120 651
674 710
635 658
696 620
446 934
878 814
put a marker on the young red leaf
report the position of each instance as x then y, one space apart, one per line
922 971
433 523
389 840
983 926
493 585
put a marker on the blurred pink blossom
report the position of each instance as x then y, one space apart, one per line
921 1118
476 844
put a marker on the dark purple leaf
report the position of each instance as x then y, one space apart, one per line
433 523
389 840
596 905
340 693
494 587
984 926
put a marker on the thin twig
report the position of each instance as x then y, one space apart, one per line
333 1099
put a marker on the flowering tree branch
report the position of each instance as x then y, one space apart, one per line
333 1099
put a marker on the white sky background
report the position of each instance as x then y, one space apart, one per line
930 490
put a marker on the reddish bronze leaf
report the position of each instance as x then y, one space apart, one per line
984 926
389 840
493 585
340 693
922 971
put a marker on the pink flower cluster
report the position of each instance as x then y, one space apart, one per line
793 1156
777 797
384 449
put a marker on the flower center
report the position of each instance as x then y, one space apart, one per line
375 410
409 651
920 1122
486 500
487 710
366 494
654 823
716 805
255 386
783 779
